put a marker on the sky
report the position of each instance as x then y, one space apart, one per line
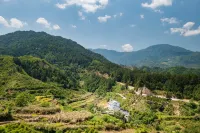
121 25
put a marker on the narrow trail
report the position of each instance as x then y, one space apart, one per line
173 99
158 96
123 97
176 109
7 122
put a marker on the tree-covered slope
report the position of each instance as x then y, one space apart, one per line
162 55
30 73
64 53
54 49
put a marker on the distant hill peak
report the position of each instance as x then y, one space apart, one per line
167 47
160 55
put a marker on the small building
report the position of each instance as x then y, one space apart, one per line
113 105
144 91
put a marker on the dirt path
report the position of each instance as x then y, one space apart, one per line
129 87
123 97
176 109
123 131
173 99
7 122
159 96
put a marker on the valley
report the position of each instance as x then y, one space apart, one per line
49 84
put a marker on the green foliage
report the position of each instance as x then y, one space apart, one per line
90 131
179 85
18 128
5 113
64 53
87 130
190 109
23 99
190 126
103 120
42 70
55 49
142 130
143 117
71 58
45 104
13 78
100 85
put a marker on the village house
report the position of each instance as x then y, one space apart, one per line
144 91
114 106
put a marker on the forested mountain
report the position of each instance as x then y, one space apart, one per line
63 53
55 49
162 55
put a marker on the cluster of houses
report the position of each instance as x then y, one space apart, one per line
114 106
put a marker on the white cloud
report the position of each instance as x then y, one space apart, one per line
86 5
14 23
170 20
74 26
142 16
188 25
127 48
4 22
56 27
47 24
120 14
44 22
104 19
61 6
80 14
186 30
157 3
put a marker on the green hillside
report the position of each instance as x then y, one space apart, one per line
29 74
63 53
54 49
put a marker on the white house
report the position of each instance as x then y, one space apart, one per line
113 105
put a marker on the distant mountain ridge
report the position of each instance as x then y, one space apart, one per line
161 55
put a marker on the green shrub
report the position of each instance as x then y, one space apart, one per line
23 99
5 113
18 128
45 104
141 130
